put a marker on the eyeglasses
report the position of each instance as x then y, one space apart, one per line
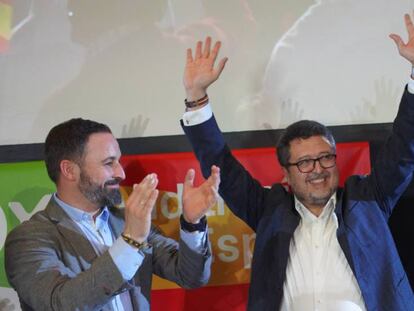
308 165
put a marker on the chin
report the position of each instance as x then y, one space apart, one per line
321 200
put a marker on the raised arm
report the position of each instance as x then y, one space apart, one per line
394 166
242 193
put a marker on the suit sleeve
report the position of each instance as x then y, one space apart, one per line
393 168
179 262
34 266
243 194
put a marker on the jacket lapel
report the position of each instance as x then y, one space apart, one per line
72 233
116 221
341 231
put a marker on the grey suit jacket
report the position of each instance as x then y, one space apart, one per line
52 266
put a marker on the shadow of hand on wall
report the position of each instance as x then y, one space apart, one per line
6 305
386 96
288 112
135 128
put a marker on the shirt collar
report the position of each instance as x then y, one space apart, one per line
307 216
77 215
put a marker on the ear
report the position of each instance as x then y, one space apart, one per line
287 175
69 170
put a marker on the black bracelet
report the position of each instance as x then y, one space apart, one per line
189 227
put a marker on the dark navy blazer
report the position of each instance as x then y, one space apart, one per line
363 208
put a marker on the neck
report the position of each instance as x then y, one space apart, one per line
315 209
77 200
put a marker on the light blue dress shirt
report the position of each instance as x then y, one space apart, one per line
126 258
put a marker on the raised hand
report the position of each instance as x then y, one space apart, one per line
199 70
406 50
198 200
138 208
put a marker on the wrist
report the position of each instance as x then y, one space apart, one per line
188 226
136 237
196 93
196 104
134 243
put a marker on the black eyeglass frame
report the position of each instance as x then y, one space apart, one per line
325 156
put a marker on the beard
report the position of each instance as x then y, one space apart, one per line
317 197
100 195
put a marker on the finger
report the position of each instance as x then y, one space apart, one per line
141 191
148 189
147 206
207 45
189 178
198 50
220 67
215 169
145 202
212 197
409 25
150 181
215 193
151 201
216 50
132 198
213 182
398 41
189 56
215 175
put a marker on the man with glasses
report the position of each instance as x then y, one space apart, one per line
318 247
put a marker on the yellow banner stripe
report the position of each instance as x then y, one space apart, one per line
5 20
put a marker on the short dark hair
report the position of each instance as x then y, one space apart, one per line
302 129
67 141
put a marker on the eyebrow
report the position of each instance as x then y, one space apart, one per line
109 159
306 157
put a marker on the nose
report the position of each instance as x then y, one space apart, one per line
318 168
119 171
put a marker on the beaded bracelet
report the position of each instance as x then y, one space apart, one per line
134 243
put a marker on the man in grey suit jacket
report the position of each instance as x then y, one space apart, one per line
82 253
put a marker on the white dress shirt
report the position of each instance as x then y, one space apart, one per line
318 276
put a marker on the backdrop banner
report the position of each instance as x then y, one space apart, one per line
26 189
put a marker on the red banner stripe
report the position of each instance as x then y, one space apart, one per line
214 298
4 44
353 158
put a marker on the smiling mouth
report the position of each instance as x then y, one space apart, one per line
112 184
317 181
